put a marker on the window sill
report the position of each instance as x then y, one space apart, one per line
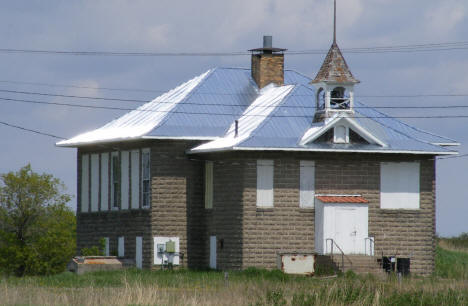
306 209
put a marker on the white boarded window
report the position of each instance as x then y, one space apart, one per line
121 247
307 183
94 182
104 181
106 246
208 184
125 179
84 183
264 183
115 180
399 185
135 170
145 178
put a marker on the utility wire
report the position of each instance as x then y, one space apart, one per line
449 46
220 114
30 130
243 105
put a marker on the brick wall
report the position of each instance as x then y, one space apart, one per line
268 68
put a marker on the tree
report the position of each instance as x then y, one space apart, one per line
37 229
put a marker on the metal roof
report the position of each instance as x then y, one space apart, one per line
274 118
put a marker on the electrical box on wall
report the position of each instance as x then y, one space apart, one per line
170 246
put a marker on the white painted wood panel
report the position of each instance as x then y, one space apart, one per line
135 170
213 252
208 184
139 252
399 185
265 183
84 197
125 179
94 182
104 181
121 247
307 184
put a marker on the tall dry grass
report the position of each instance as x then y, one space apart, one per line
347 290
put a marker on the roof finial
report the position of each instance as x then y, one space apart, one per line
334 23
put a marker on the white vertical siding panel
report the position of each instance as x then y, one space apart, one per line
307 184
94 182
135 170
121 247
84 183
209 184
265 183
104 181
213 252
125 178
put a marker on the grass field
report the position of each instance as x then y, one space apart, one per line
448 286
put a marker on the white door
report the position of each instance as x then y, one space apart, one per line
346 228
347 225
213 252
139 252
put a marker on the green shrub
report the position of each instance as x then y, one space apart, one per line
95 250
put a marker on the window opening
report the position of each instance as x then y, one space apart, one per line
145 178
339 98
321 99
115 175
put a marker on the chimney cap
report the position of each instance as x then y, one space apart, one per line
268 46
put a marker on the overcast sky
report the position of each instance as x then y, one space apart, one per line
224 26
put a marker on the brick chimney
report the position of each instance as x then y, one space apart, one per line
268 64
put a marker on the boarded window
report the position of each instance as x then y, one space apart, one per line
121 247
115 180
209 184
125 179
106 246
265 183
145 178
104 181
135 170
94 182
84 198
307 183
399 185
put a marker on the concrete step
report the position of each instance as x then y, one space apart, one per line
360 264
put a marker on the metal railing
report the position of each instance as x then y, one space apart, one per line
343 256
371 246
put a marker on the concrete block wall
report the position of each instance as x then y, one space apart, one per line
286 227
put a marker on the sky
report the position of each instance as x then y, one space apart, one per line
223 26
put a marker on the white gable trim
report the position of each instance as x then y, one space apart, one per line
315 133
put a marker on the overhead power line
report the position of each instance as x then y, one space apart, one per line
229 94
30 130
428 47
220 114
